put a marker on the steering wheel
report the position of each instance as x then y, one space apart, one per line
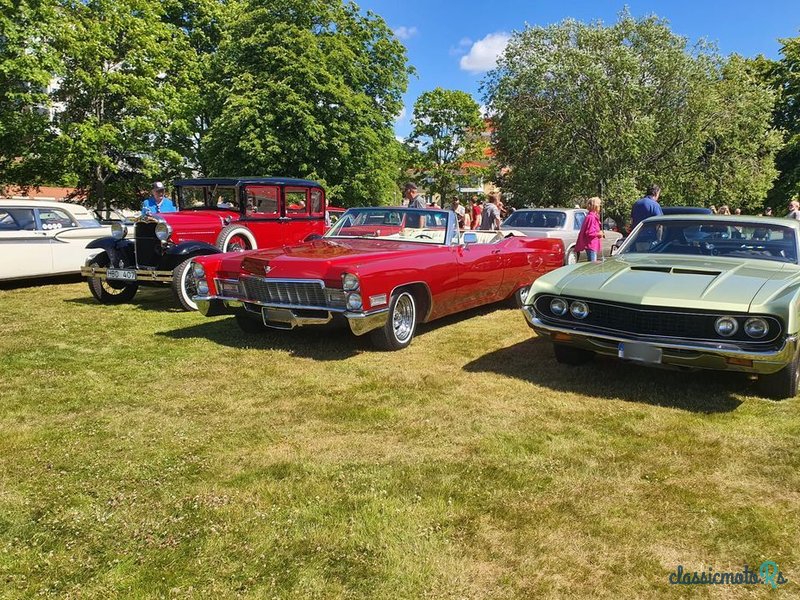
709 249
423 236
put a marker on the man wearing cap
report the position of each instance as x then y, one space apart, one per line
414 199
157 202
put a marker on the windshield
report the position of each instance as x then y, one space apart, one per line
762 241
200 197
408 225
544 219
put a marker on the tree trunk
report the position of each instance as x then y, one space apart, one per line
100 188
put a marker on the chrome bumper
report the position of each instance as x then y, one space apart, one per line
143 275
688 354
287 317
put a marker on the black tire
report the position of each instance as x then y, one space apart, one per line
109 292
401 325
571 257
250 325
236 238
184 285
783 384
569 355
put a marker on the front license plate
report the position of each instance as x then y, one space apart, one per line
640 352
124 274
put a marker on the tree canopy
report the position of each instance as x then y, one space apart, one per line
583 109
308 89
446 134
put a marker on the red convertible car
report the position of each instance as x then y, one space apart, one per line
381 270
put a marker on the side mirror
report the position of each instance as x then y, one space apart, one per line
617 245
311 237
469 237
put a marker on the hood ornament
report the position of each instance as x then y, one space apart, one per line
267 269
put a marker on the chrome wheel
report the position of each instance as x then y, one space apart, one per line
572 256
238 243
403 318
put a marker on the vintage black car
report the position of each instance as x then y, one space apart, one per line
216 215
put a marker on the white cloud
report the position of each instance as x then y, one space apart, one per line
483 54
405 33
461 48
401 115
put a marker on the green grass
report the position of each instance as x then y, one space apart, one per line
151 453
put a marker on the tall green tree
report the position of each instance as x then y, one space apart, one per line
308 89
785 78
583 109
447 130
28 65
124 80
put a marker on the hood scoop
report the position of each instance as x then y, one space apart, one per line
677 270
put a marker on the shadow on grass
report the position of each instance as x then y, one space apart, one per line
147 298
16 284
319 343
533 361
329 342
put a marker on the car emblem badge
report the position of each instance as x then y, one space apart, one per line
267 269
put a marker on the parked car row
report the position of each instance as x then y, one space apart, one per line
684 291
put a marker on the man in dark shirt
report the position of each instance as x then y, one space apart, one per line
490 218
646 207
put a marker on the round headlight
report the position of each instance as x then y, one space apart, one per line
202 288
726 326
756 327
118 231
349 282
354 301
163 231
579 309
198 271
559 306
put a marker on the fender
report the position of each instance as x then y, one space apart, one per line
116 249
178 253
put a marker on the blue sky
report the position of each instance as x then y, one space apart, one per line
451 43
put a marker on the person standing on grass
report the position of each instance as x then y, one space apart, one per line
413 197
490 217
591 231
476 209
646 207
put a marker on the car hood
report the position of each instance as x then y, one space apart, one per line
318 258
680 282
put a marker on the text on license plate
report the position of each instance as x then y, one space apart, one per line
126 274
640 352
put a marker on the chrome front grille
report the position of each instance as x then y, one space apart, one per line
283 292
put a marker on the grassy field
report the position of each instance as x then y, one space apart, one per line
151 453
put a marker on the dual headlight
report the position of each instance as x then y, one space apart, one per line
754 327
577 308
199 274
352 292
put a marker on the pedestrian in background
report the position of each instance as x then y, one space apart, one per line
768 211
490 217
414 199
459 210
476 209
646 207
794 210
591 231
725 210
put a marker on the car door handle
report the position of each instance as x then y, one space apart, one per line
497 251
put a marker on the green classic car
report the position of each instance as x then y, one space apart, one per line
691 292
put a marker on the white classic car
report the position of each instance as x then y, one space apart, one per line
39 238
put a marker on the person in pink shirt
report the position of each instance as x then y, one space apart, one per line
591 231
